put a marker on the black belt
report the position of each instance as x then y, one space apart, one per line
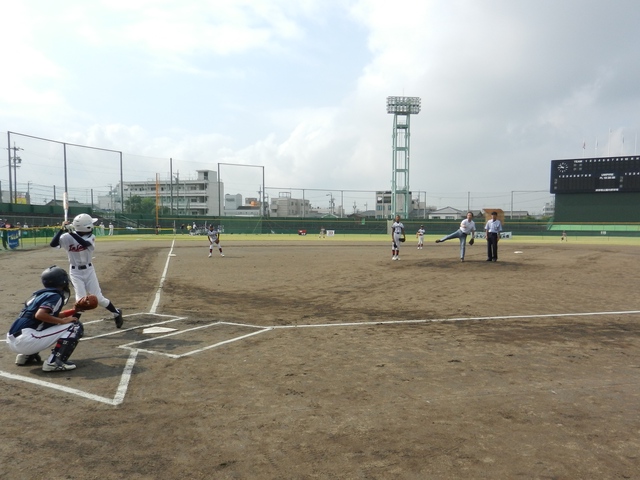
81 267
17 334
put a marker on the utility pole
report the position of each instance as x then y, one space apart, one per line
16 163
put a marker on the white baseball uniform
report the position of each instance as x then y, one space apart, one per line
214 240
81 271
397 228
420 237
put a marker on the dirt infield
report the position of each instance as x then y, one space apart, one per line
325 359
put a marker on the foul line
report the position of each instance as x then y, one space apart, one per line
121 391
156 302
443 320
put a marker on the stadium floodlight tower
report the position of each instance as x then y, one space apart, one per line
402 108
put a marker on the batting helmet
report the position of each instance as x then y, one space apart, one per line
56 277
83 223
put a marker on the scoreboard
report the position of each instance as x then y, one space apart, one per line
594 175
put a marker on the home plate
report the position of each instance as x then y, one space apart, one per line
159 330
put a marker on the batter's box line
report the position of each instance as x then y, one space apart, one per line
118 398
130 346
137 327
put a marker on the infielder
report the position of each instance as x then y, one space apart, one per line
420 235
467 227
78 240
42 324
214 239
397 237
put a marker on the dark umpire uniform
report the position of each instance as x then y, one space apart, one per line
492 230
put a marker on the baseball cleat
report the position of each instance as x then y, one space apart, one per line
22 359
58 367
222 254
209 255
118 318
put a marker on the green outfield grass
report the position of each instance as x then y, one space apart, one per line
30 242
359 238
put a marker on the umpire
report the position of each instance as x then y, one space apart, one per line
492 231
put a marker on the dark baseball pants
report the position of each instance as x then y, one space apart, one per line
492 246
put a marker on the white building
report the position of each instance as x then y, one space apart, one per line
447 213
232 202
549 209
383 205
285 206
233 206
184 196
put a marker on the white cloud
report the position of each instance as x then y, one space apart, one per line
300 87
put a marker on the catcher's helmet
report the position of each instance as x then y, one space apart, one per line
56 277
83 223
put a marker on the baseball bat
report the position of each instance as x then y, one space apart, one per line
65 204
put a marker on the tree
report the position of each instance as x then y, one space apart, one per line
133 204
143 205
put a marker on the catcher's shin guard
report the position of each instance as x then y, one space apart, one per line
66 345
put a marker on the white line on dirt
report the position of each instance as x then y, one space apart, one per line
124 379
156 302
460 319
126 374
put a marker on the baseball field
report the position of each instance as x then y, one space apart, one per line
306 358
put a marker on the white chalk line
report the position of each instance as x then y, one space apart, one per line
137 327
116 400
125 378
128 346
126 374
459 319
127 371
156 302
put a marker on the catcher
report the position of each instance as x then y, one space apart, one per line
397 237
42 324
78 240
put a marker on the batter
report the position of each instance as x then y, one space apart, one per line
79 241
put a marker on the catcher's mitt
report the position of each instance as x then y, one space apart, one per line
472 241
88 302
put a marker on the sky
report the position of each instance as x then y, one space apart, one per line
299 87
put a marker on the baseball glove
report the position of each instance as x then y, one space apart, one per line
472 241
88 302
402 239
